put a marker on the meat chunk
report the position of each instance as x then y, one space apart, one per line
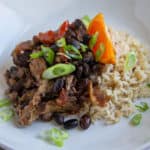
13 95
57 86
31 112
14 73
18 78
46 116
37 66
64 103
22 52
97 96
69 82
70 107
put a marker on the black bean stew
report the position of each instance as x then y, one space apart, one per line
53 75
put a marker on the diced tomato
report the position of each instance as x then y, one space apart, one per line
47 37
62 30
51 36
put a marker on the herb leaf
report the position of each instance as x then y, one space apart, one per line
136 120
143 107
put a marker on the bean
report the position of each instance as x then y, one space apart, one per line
85 121
78 24
88 57
54 47
79 72
86 69
58 85
86 38
74 42
70 124
59 118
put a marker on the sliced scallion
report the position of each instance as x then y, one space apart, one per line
136 120
130 61
73 52
6 114
61 42
83 47
102 47
93 40
4 102
58 70
100 51
98 54
55 136
86 20
142 107
48 54
35 55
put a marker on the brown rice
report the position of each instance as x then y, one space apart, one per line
123 87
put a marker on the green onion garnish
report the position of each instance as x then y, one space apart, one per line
61 42
136 120
143 107
55 136
58 70
130 61
86 20
36 55
6 114
98 54
102 47
4 102
100 51
83 47
73 52
93 40
74 56
48 54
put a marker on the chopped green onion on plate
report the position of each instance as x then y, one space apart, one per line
130 61
4 102
136 120
142 107
55 136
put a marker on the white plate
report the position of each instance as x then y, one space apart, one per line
20 19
